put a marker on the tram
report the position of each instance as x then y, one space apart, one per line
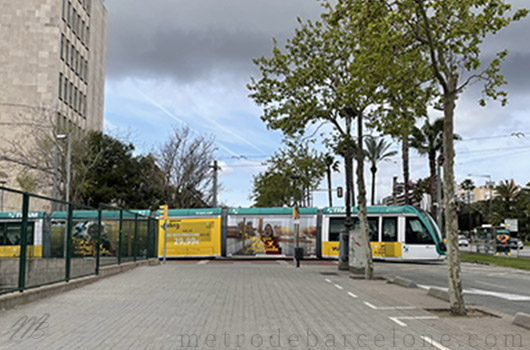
396 233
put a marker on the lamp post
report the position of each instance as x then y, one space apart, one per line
68 137
490 193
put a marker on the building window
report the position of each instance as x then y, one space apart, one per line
66 50
74 18
72 55
71 93
60 86
62 47
65 90
75 99
68 13
64 9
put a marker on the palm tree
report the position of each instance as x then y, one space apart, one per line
377 151
331 165
507 190
429 140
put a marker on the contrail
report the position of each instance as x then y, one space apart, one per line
219 126
171 115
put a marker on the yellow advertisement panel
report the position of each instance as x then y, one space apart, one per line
386 249
330 249
191 237
379 249
13 251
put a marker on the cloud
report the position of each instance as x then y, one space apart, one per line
191 40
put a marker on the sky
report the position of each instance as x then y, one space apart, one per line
174 63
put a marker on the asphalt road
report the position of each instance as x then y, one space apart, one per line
500 289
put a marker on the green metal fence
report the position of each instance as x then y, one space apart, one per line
45 241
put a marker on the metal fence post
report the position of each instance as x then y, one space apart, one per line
119 237
135 239
23 242
69 241
98 242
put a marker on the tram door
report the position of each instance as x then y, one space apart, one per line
419 243
389 245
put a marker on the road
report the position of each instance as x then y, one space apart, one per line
501 289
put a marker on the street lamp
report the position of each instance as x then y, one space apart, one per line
488 186
68 137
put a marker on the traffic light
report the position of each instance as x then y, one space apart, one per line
296 213
163 212
339 192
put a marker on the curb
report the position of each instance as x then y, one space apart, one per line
11 300
404 282
438 293
522 320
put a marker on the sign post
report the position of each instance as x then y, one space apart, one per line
164 208
298 252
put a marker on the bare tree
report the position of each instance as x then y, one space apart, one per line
30 149
185 160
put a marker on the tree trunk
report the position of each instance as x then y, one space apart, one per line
433 176
373 169
348 161
405 159
344 244
330 191
352 193
361 202
456 297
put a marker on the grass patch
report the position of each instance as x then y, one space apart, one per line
518 263
527 244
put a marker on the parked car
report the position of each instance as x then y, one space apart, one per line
515 243
462 241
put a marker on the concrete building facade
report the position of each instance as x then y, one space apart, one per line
52 68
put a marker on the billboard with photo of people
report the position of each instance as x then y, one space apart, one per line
270 231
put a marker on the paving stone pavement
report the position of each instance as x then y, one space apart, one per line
242 305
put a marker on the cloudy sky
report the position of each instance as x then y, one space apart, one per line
181 62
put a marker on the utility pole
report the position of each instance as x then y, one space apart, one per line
215 169
68 166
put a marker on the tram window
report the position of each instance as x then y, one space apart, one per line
416 232
390 230
2 233
336 225
373 228
10 234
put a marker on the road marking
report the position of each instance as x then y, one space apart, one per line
352 295
388 307
328 280
501 295
370 305
403 324
202 262
338 287
433 343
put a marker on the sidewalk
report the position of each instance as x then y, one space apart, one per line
246 305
